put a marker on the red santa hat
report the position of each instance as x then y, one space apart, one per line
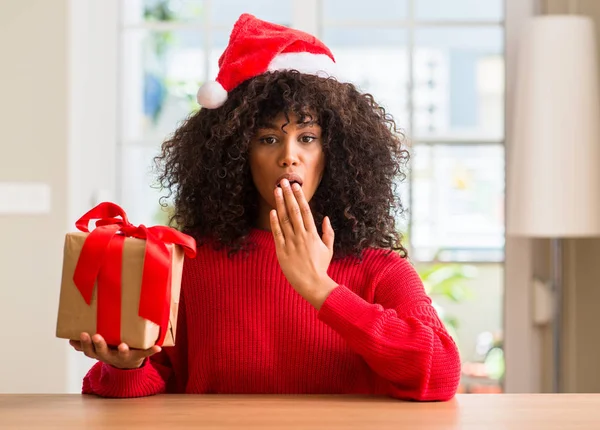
256 47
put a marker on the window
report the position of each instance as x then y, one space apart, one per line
437 66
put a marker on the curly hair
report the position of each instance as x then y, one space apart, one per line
204 165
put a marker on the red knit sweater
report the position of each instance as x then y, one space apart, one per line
243 329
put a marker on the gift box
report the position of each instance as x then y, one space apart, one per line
122 281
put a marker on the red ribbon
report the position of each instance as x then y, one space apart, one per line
101 260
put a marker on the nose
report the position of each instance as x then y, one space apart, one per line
289 154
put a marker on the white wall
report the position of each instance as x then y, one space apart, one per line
34 124
93 120
521 338
58 83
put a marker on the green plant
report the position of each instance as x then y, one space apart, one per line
447 281
185 90
160 10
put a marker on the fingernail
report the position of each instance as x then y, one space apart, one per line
285 183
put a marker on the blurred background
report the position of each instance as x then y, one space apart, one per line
91 88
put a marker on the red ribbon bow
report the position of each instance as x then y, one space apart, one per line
101 260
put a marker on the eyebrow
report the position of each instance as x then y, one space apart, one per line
299 124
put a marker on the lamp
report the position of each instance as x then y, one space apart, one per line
554 158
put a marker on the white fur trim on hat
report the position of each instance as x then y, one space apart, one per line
211 95
305 62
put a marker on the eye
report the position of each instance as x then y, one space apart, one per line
307 139
268 140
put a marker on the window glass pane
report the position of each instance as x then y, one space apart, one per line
359 10
137 11
458 202
459 10
220 39
459 83
361 56
139 191
403 219
161 72
226 12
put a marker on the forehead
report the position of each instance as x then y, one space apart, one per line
290 119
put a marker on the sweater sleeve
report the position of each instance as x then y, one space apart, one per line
163 372
400 335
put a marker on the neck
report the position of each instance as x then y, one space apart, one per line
262 220
262 226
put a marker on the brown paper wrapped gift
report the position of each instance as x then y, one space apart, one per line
75 315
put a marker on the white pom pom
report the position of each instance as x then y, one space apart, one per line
211 95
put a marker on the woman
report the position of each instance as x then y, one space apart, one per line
301 285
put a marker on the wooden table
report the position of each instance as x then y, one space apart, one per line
469 411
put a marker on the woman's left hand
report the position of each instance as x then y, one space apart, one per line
303 256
